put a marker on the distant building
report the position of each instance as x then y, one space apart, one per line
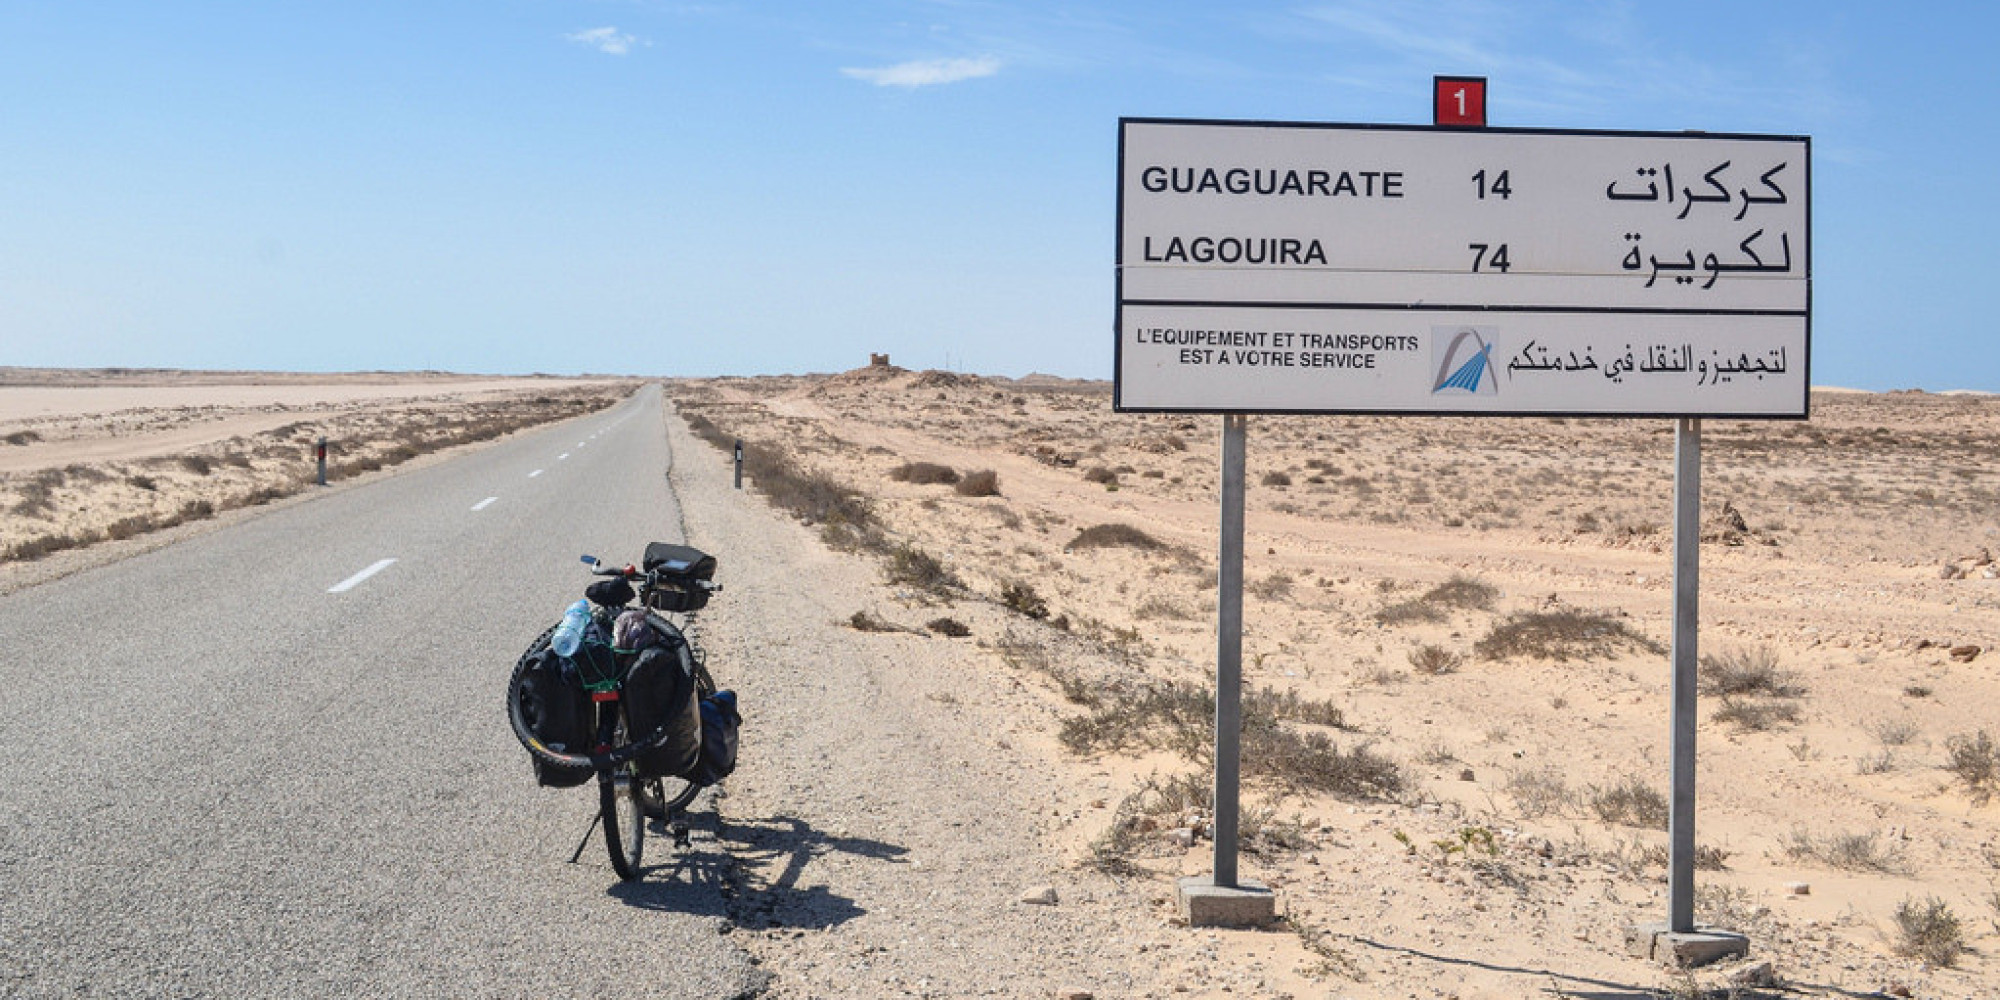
878 360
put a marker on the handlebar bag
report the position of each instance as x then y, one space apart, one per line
558 713
660 690
683 561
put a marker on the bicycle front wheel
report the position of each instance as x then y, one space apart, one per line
624 823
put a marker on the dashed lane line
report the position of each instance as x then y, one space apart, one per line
354 581
483 504
535 473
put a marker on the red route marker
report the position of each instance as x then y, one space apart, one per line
1458 100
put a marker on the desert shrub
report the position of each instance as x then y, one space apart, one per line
1561 635
983 483
1027 651
1929 931
1750 715
1975 760
1855 852
1893 732
1411 612
914 567
1742 671
1113 536
36 499
1629 802
22 438
924 474
1276 479
1100 474
196 464
1434 660
863 621
142 482
1466 592
1277 585
44 545
1291 707
950 627
1159 607
1020 598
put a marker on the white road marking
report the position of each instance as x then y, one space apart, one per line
562 456
483 504
535 473
353 581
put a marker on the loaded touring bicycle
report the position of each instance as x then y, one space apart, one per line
619 690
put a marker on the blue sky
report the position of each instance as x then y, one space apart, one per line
713 188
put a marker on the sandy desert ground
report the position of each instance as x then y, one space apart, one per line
96 457
1455 653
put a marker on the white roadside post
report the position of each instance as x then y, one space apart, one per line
1309 268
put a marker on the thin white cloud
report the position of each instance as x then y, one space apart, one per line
926 72
607 40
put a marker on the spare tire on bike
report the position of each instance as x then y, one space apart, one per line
660 691
558 714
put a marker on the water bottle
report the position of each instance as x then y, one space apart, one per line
569 635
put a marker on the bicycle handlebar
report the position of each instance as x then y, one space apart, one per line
631 572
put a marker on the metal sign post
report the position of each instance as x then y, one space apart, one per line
1229 653
1687 587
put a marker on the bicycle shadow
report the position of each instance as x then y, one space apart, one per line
748 872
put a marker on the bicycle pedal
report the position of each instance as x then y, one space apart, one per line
681 838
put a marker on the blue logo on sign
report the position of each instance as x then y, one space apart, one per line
1466 364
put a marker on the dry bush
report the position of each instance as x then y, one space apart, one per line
925 474
1100 474
862 621
22 438
1741 671
914 567
196 464
1854 852
1271 588
146 483
1157 607
1561 635
1630 802
36 499
1293 708
983 483
1540 791
1276 479
1034 653
1749 715
1434 660
1466 592
1157 805
1975 760
1929 931
1020 598
1113 536
1410 612
949 627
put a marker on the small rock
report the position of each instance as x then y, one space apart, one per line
1182 837
1760 975
1041 895
1799 888
1075 995
1950 571
1465 775
1964 654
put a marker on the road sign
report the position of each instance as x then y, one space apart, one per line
1306 268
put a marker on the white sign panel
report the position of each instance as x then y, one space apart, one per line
1381 269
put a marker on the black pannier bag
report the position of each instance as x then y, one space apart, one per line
558 712
719 724
675 569
660 689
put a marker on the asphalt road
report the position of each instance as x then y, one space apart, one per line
225 779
